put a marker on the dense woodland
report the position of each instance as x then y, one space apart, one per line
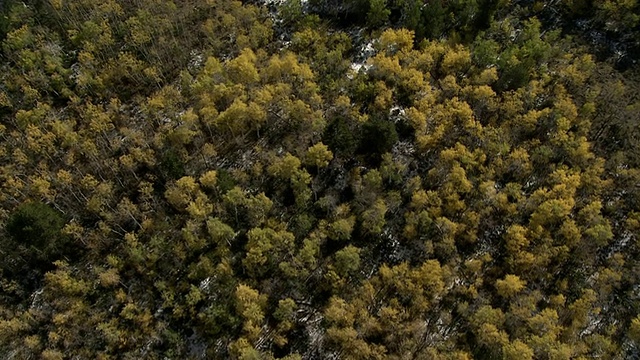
360 179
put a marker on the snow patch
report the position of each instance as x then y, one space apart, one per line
196 60
366 51
204 284
356 66
273 2
355 69
36 299
396 111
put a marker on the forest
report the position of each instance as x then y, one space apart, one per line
320 179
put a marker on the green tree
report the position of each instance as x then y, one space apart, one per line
35 232
378 137
318 155
378 13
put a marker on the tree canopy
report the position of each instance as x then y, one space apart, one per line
361 179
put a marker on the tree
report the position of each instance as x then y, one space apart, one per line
378 137
318 155
373 218
517 350
266 249
378 13
339 137
347 260
291 11
509 286
35 231
250 305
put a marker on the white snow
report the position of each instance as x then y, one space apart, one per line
396 111
196 60
204 284
273 2
366 51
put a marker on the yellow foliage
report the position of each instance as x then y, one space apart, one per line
456 60
396 41
319 155
242 69
209 179
510 285
284 167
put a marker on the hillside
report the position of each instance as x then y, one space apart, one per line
362 179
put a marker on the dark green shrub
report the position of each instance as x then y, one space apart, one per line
339 137
171 166
35 230
378 137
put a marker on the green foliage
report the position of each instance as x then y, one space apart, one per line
222 179
5 17
225 181
171 166
433 20
347 260
36 227
291 11
378 13
339 137
378 137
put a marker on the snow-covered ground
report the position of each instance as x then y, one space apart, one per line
360 62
